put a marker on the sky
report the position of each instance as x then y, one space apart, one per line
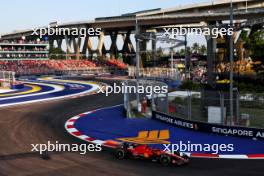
25 14
28 14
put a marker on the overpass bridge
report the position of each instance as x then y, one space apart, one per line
200 14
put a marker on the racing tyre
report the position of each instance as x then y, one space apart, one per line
165 160
120 153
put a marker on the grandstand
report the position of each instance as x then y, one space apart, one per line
116 63
21 50
46 67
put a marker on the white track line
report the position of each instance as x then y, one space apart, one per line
93 89
56 88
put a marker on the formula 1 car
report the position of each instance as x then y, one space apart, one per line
143 151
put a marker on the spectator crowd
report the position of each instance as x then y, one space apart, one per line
51 66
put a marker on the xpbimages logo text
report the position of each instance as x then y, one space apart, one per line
148 90
197 148
206 31
56 30
59 147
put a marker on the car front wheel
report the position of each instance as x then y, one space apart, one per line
165 160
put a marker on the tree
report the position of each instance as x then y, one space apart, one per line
202 50
56 53
160 53
195 48
189 50
255 44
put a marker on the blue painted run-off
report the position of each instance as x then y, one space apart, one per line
110 124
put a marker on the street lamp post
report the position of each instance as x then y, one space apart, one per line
231 45
141 37
186 55
172 61
246 6
174 43
137 62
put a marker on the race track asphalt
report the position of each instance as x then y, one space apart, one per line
35 123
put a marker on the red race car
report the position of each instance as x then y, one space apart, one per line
126 150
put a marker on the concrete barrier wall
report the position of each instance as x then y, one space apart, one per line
235 131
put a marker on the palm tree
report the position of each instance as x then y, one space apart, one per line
202 50
195 48
182 52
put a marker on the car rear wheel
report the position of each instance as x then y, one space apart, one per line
120 154
165 160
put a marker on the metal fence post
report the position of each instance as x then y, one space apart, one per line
222 101
167 101
223 104
237 108
189 105
153 106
